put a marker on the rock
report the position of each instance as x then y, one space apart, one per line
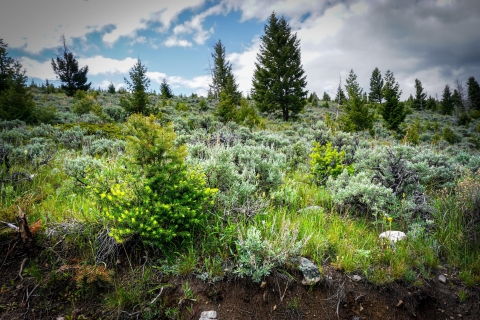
356 278
208 315
393 236
442 278
263 285
311 275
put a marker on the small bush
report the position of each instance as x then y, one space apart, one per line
172 197
326 161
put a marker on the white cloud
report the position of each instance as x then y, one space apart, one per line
36 69
141 40
96 65
198 84
243 65
156 76
173 41
194 25
101 65
36 25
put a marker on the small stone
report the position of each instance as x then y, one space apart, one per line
264 283
356 278
208 315
393 236
310 272
400 303
442 278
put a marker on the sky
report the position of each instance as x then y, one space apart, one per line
436 41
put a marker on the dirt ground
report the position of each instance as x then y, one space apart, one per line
338 296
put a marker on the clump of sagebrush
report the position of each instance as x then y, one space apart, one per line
158 197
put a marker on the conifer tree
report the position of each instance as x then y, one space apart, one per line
222 75
357 115
16 101
473 93
165 91
431 103
111 88
457 102
447 103
279 80
393 110
420 99
326 97
137 101
376 86
66 68
340 97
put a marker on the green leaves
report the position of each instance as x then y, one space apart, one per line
326 161
173 197
279 81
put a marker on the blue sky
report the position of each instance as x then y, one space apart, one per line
435 41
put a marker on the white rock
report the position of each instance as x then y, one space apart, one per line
393 236
442 278
208 315
356 278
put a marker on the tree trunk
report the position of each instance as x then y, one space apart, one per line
285 114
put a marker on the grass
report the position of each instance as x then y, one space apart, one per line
300 211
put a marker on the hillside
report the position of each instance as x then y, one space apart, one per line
166 216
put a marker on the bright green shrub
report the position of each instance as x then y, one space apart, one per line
172 198
326 161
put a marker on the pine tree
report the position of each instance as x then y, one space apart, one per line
226 110
111 88
340 97
66 68
222 75
326 97
447 103
420 100
376 86
16 101
165 91
357 115
137 101
431 103
473 93
279 80
393 110
457 102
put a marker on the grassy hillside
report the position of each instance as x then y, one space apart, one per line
114 202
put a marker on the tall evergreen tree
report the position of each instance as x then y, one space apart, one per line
393 110
340 97
222 75
420 100
165 91
66 68
447 103
279 80
357 115
111 88
137 101
457 102
16 101
376 86
431 103
326 97
473 93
